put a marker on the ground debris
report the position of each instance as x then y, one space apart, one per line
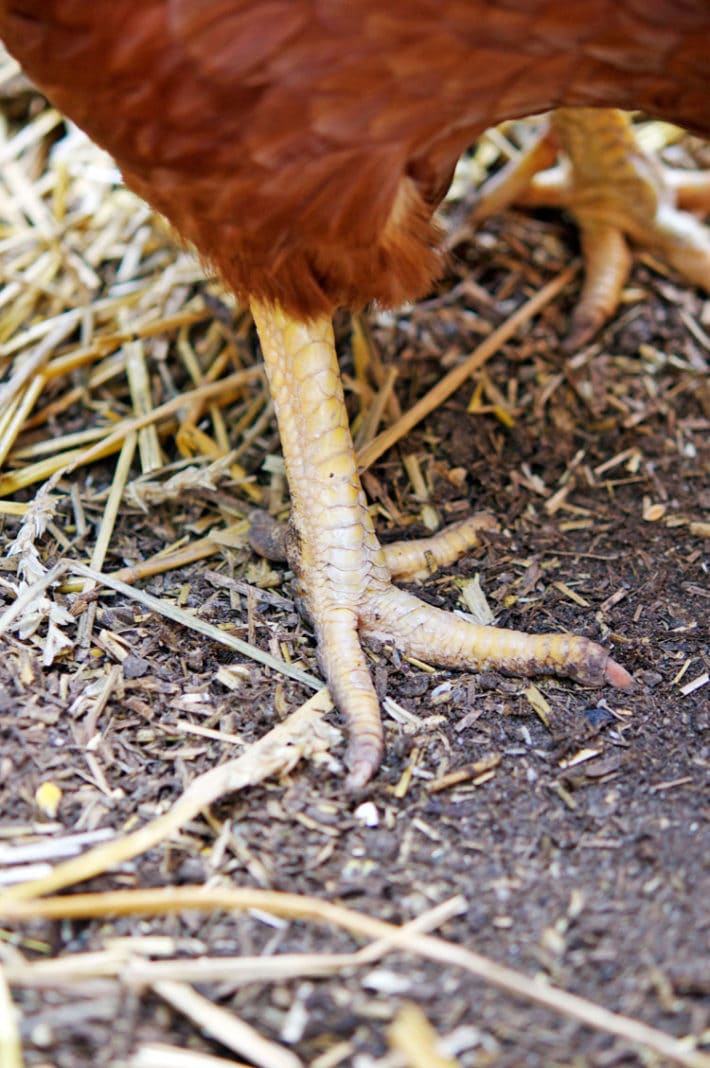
137 437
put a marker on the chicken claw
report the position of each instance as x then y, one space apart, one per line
614 190
343 576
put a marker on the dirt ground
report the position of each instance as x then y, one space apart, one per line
582 853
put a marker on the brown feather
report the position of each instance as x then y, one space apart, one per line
303 145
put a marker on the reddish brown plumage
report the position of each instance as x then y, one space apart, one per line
302 145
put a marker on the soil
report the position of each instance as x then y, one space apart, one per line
582 855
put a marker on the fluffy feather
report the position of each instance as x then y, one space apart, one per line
303 145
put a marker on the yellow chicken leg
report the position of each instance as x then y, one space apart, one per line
614 190
343 576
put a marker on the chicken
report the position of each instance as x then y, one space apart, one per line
303 147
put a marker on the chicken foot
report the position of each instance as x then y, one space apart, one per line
343 577
406 560
614 190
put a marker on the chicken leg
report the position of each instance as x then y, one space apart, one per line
343 577
613 189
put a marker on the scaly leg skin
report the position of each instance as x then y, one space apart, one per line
614 190
343 577
407 560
